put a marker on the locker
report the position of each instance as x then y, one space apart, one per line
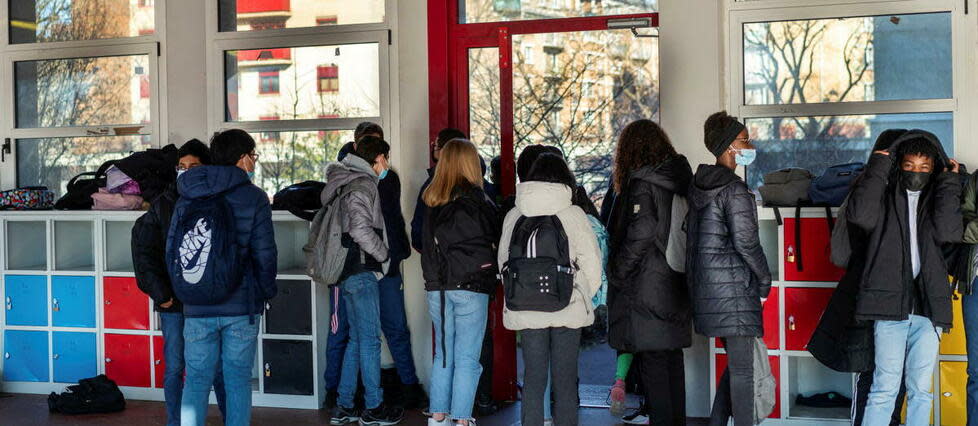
125 306
775 370
127 359
159 362
288 367
290 312
813 253
954 398
73 301
954 343
74 356
772 327
25 300
25 357
803 309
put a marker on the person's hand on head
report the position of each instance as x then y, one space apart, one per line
955 167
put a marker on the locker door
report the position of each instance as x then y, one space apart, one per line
127 359
803 308
126 307
954 343
74 356
73 301
814 252
772 327
159 363
290 312
25 357
954 398
26 299
288 367
775 371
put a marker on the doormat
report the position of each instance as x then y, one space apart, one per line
596 396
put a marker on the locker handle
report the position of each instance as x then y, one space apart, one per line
268 306
10 303
6 355
107 302
791 322
56 356
268 370
948 394
157 362
108 360
55 305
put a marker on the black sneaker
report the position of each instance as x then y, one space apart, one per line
381 416
637 417
415 397
342 416
331 396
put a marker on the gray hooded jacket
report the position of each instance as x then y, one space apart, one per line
363 220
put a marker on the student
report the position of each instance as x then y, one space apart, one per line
525 162
650 310
726 269
149 264
459 264
417 223
908 201
367 261
551 340
226 333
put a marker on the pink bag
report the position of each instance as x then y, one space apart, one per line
104 200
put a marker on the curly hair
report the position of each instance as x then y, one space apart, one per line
641 143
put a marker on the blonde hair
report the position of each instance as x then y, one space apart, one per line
458 164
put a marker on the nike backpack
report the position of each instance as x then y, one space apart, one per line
202 255
539 275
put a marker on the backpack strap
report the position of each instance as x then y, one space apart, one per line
777 216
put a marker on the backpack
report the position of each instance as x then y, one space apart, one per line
78 192
325 252
202 253
152 169
27 198
93 395
539 275
765 394
676 245
302 199
831 188
786 187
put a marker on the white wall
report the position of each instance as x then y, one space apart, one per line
185 100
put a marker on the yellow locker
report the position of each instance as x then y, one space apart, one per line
953 343
953 397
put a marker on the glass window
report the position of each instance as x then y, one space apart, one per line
82 91
484 101
313 81
268 82
36 21
290 157
876 58
816 143
52 162
472 11
256 15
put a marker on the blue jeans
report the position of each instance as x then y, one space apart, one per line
907 348
393 322
231 342
360 295
969 308
456 370
171 323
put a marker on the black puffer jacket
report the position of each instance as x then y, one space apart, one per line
726 268
878 206
149 251
648 302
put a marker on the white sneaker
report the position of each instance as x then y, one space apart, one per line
444 422
638 417
548 422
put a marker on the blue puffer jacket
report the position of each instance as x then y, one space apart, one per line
253 216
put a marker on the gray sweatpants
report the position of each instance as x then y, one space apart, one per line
558 348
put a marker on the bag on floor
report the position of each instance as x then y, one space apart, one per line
765 394
27 198
831 188
539 275
786 187
93 395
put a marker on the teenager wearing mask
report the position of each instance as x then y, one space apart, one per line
459 264
649 307
726 269
436 146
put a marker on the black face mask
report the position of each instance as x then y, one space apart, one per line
914 181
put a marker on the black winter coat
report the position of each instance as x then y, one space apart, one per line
648 302
726 268
459 249
149 251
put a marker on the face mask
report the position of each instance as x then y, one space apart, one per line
383 174
745 156
914 181
180 172
251 175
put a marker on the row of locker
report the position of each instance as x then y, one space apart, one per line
287 366
125 307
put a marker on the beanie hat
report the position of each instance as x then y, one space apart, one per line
717 141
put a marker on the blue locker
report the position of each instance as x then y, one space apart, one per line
25 356
73 356
73 301
26 299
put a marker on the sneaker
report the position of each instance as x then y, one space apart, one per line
331 396
617 398
415 397
638 417
342 416
548 422
444 422
381 416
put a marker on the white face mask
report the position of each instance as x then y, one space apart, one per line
180 172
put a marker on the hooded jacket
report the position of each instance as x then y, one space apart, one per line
648 305
878 206
255 236
553 199
726 268
363 219
149 251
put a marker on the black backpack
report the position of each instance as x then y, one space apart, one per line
153 169
539 275
93 395
302 199
78 192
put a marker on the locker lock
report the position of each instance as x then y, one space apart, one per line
157 362
948 394
6 355
791 254
55 306
268 370
107 302
268 306
791 322
108 360
56 356
10 304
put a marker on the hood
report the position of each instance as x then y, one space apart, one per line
939 163
673 175
886 139
709 180
205 181
542 198
345 150
344 172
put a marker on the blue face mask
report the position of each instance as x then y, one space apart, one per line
745 156
181 172
383 174
251 175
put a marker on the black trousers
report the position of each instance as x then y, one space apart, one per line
864 381
559 348
735 393
665 398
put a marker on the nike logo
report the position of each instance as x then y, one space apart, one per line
194 252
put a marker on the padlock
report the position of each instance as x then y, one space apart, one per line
56 306
791 323
268 370
791 254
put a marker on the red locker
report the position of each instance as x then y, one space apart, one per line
813 256
127 359
159 363
125 306
775 370
771 323
803 309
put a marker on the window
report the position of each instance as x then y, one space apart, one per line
268 83
328 77
39 21
327 20
256 15
474 11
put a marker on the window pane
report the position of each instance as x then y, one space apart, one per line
83 91
815 143
52 162
484 101
312 82
33 21
876 58
290 157
256 15
472 11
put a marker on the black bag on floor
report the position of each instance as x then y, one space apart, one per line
93 395
302 199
